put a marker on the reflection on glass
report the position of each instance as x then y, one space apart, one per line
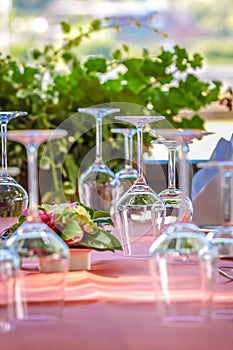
96 184
222 236
43 254
126 176
133 211
172 196
13 197
9 265
183 244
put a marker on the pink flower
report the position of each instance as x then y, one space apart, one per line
25 212
47 219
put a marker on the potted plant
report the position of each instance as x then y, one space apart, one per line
81 227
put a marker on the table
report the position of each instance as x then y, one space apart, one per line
112 307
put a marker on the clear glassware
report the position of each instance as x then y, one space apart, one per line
222 236
44 256
9 266
13 197
183 137
183 269
126 176
133 211
183 244
96 184
172 196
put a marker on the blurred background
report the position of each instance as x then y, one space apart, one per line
205 26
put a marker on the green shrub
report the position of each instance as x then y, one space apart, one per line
54 82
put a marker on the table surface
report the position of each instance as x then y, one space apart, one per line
112 307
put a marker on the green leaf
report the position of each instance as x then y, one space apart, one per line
71 168
197 61
155 69
117 55
181 58
166 57
96 24
96 64
134 64
70 230
101 240
91 211
101 214
125 48
137 24
65 27
36 54
145 53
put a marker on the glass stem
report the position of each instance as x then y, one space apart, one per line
140 129
226 178
4 145
98 139
171 167
184 171
130 165
127 152
32 179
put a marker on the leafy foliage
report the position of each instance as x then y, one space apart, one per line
54 81
78 225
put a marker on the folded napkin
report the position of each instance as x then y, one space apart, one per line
206 192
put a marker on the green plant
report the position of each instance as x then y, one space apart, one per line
78 225
54 81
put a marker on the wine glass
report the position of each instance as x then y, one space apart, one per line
126 176
222 236
13 197
183 253
133 211
9 265
172 196
40 290
182 137
96 184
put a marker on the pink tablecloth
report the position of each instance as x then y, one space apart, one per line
112 307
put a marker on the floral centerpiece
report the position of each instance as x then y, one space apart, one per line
78 225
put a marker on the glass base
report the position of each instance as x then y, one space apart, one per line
184 321
222 238
222 314
6 327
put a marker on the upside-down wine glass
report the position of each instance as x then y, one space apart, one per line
43 254
222 236
172 195
96 184
183 252
183 137
13 197
9 265
133 211
126 176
